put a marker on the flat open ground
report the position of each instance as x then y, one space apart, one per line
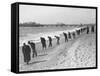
76 53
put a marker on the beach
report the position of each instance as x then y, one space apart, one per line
76 53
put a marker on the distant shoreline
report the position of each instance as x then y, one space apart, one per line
32 24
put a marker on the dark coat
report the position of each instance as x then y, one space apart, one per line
33 49
58 38
43 41
87 30
32 45
50 41
69 35
65 35
26 50
73 34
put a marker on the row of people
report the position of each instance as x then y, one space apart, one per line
26 49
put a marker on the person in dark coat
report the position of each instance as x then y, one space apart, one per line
69 35
83 29
26 50
79 31
73 35
87 29
32 44
65 35
50 41
43 41
58 38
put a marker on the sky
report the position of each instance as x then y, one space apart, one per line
54 15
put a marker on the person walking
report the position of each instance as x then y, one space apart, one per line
69 35
87 30
73 35
32 44
43 41
65 35
50 41
58 38
26 50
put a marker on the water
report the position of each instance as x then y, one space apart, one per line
34 33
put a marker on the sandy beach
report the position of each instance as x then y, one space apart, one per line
76 53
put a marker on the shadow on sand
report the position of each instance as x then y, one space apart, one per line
42 54
37 62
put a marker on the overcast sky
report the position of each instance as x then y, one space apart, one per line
53 15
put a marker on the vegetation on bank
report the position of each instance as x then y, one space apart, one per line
34 24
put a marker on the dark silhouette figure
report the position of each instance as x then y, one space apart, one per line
58 38
81 30
32 44
87 30
50 41
43 41
73 35
69 35
92 29
78 32
65 35
26 50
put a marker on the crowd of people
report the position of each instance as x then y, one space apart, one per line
29 48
